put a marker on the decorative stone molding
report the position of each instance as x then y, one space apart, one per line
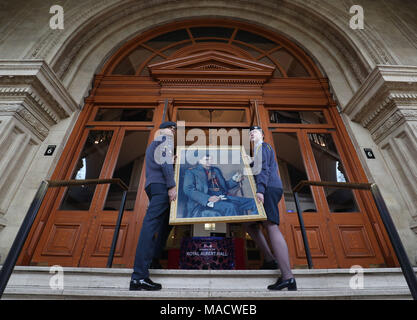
386 104
32 93
3 223
399 150
398 118
18 147
22 114
322 20
32 100
413 226
386 98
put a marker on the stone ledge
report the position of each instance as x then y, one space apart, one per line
118 279
182 294
29 282
204 272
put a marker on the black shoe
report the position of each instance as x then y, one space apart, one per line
155 264
269 265
281 284
144 284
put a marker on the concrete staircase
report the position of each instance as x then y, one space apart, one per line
96 283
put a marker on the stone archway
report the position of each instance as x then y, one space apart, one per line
200 77
318 28
94 31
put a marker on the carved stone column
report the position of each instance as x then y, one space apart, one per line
386 105
32 101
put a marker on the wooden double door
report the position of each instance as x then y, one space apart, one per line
338 226
80 225
78 222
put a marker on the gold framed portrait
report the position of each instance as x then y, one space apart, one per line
214 184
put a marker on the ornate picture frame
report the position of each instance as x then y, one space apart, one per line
214 184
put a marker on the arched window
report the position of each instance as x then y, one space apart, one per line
253 45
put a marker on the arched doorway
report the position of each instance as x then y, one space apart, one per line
210 74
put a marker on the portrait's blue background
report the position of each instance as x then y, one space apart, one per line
228 171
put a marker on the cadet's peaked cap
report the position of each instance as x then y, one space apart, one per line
167 124
255 128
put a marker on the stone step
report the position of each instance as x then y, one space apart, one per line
101 283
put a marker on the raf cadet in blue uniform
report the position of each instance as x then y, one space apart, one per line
161 190
208 192
269 192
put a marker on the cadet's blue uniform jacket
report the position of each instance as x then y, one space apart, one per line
158 170
196 186
268 175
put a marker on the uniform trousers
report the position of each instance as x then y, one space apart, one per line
153 224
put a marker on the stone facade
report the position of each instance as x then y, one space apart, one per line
35 111
386 105
46 73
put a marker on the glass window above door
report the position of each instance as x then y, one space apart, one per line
213 32
211 115
119 114
246 43
300 117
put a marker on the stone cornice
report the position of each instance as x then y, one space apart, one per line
393 121
22 113
33 94
34 78
385 90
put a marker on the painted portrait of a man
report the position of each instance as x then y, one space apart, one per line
213 190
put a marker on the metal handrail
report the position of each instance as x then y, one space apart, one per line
396 242
32 212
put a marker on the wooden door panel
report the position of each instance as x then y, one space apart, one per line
355 241
62 239
61 243
315 240
320 248
97 247
104 239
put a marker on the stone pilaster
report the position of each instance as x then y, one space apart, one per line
386 105
32 101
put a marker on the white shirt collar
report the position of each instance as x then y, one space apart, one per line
258 144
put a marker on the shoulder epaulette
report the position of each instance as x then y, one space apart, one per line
268 145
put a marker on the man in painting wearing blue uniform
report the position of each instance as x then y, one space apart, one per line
208 192
269 192
160 188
